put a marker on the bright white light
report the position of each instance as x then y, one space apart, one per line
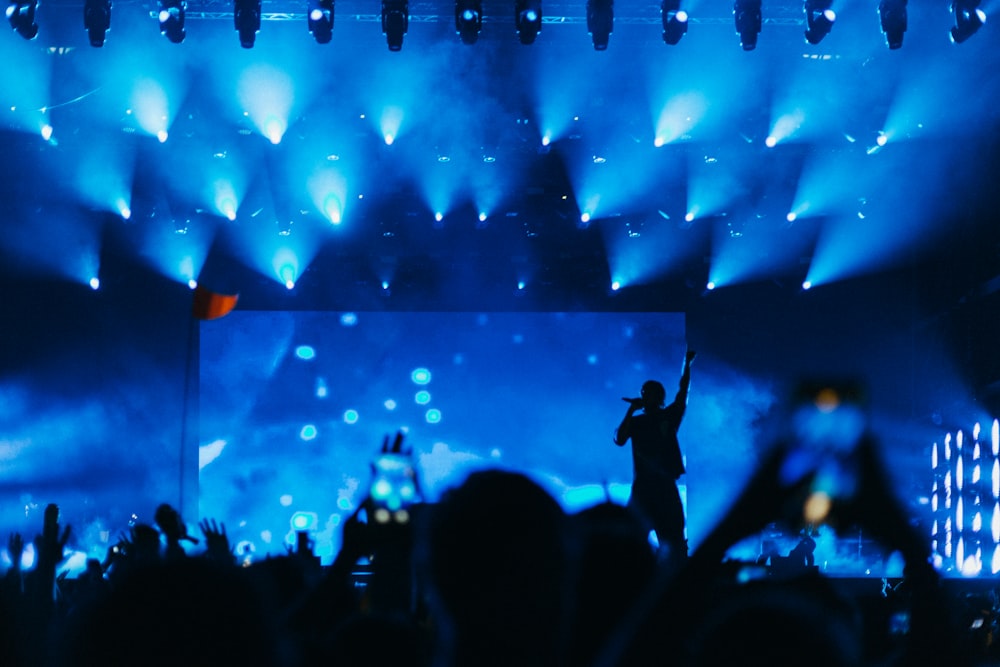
439 216
162 136
615 286
934 456
385 284
681 16
192 283
546 140
689 217
806 284
883 139
520 284
95 283
791 216
531 16
290 284
164 16
771 142
659 142
710 285
830 15
316 14
389 139
585 217
482 217
46 132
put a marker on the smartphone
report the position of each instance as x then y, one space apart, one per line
827 423
393 488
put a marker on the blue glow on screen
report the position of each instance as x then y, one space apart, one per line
538 393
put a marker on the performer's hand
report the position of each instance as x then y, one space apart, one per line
691 354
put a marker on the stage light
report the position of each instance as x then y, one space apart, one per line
321 20
528 19
172 19
97 20
819 19
600 22
246 18
892 17
968 19
468 19
675 21
95 283
748 22
395 21
21 16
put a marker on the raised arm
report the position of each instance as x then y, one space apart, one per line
685 383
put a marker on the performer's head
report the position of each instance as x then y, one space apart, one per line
653 394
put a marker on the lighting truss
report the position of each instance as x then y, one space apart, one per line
395 22
819 19
892 17
468 19
600 22
171 17
968 19
21 16
321 20
675 21
748 22
528 19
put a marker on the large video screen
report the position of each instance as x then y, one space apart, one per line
294 406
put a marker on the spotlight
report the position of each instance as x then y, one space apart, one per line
172 19
748 22
675 21
97 20
819 19
968 19
892 16
468 19
528 19
21 16
600 22
246 17
395 21
321 20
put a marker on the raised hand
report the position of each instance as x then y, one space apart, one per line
15 545
216 541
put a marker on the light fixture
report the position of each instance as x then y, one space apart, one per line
968 19
246 17
321 20
675 21
21 16
172 19
528 19
819 19
468 19
748 22
395 21
97 20
892 16
600 22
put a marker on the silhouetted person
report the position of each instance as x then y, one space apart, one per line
656 458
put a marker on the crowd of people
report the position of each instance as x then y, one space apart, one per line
497 573
494 573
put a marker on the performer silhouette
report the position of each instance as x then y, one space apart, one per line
656 459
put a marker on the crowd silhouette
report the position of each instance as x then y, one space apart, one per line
494 573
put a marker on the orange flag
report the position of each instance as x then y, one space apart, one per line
210 306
